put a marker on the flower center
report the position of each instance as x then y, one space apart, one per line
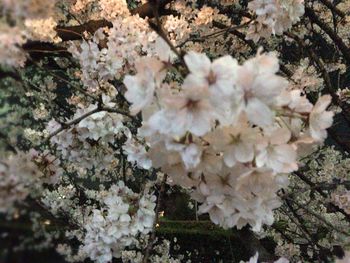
248 94
192 104
211 78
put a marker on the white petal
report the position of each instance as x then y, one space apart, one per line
259 113
191 156
140 90
327 119
244 152
194 83
268 63
225 71
200 122
269 87
197 63
229 157
261 158
318 135
322 103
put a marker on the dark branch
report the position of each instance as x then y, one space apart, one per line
329 31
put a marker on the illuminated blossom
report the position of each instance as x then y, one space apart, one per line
320 119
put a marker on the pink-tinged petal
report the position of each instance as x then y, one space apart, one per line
225 66
322 103
140 90
280 136
327 119
286 155
320 119
216 215
163 50
268 63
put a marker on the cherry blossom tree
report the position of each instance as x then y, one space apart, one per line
111 106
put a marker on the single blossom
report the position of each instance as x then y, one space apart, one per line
237 143
320 119
276 153
188 111
259 88
136 153
219 75
142 86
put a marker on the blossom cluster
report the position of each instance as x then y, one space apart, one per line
137 154
163 255
29 8
21 174
229 132
122 217
10 41
30 20
327 167
343 201
111 222
273 17
106 9
87 142
124 42
42 29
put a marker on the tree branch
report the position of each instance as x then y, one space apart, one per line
251 44
153 235
336 39
319 217
68 33
332 7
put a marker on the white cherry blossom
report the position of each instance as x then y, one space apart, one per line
276 153
219 75
189 111
136 153
260 86
141 87
320 119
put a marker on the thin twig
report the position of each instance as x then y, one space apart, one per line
158 28
332 7
153 235
214 34
319 217
109 109
70 123
328 30
87 114
251 44
65 81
